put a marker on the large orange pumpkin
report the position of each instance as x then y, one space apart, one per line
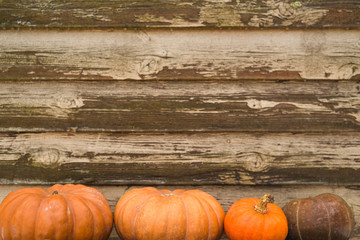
61 212
149 213
255 219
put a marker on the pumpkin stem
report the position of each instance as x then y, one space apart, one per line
55 192
261 207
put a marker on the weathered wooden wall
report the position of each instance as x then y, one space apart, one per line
234 97
174 55
180 13
200 159
176 106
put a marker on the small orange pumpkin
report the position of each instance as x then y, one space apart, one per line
255 219
148 214
61 212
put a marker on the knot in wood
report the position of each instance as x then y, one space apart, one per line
296 4
69 102
149 66
285 10
255 162
50 158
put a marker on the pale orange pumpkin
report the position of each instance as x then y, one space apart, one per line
61 212
149 213
255 219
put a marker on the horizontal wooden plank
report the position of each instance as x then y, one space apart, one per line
188 13
227 195
174 55
188 159
179 106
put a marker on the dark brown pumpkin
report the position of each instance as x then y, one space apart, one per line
324 217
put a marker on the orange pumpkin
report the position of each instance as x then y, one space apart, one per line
255 219
60 212
149 213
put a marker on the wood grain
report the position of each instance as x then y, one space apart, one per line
179 106
227 195
180 159
179 14
183 54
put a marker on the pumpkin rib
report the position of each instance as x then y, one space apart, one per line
176 203
275 218
87 190
11 200
207 214
92 204
162 201
263 227
169 206
236 216
13 216
202 196
16 208
297 220
52 219
122 209
218 225
120 205
203 210
8 200
100 204
37 216
86 203
242 204
120 213
19 207
70 212
58 216
92 200
12 197
237 223
136 218
186 215
347 210
166 225
133 193
348 214
103 217
139 212
328 218
248 219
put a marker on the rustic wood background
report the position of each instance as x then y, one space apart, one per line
234 97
